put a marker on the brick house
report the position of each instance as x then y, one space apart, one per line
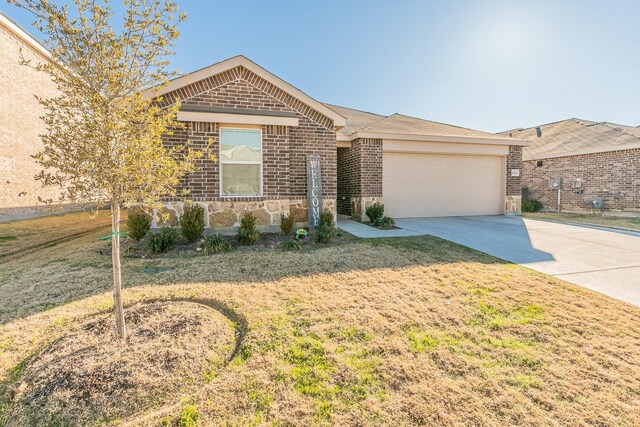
20 121
264 129
593 159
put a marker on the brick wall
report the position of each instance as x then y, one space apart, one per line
285 149
614 175
514 161
20 122
359 172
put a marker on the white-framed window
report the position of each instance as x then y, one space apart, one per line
240 162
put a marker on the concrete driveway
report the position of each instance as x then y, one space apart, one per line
603 260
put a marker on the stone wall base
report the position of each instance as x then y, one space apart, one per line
359 206
513 205
227 215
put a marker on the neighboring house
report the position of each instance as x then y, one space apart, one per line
20 121
264 129
593 159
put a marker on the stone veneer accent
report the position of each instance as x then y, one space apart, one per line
227 215
21 126
359 176
613 175
284 150
359 207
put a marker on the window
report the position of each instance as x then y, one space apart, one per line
241 162
539 163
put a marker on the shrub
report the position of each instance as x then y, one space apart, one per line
138 224
326 218
192 222
324 233
163 241
375 212
385 222
291 245
286 224
247 233
215 245
532 205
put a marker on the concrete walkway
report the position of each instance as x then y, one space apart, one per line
604 260
364 231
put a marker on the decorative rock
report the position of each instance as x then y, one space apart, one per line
225 218
262 217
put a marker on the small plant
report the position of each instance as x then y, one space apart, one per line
375 212
301 233
163 241
532 205
138 224
192 222
286 224
291 245
385 222
326 218
189 416
324 233
247 233
215 245
377 218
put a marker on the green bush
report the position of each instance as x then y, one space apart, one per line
291 245
532 205
163 241
215 245
324 233
385 222
192 222
247 233
375 212
286 224
138 224
326 218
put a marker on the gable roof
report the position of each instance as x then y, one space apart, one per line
574 137
362 124
242 61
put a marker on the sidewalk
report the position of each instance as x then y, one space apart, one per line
364 231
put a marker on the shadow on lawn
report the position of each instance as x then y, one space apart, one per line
58 278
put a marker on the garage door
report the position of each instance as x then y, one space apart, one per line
423 185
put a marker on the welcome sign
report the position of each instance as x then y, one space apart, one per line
314 189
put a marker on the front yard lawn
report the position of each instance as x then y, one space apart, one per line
402 331
624 223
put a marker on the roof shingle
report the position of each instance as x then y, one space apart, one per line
575 136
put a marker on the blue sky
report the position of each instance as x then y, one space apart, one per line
491 65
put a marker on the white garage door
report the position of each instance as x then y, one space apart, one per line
423 185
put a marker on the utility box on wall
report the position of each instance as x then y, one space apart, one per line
555 183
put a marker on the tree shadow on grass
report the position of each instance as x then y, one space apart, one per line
69 273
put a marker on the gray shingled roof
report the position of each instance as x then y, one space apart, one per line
398 123
356 119
575 136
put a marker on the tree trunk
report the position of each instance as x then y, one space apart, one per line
117 277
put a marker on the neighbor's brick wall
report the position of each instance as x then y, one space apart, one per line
21 124
614 175
359 172
285 149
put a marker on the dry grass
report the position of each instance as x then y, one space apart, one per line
408 331
623 223
89 376
20 237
